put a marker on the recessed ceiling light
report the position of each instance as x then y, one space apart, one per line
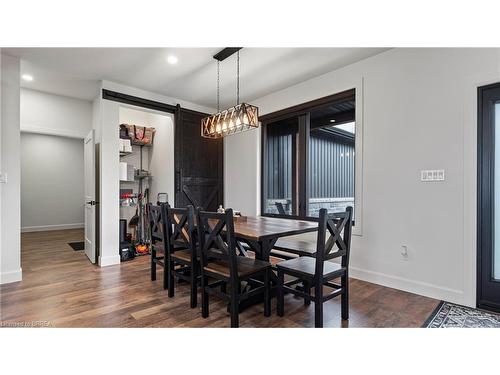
27 77
172 59
332 120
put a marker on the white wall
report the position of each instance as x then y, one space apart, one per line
419 111
109 209
108 85
10 218
55 114
241 168
51 182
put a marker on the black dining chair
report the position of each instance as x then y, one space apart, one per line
280 208
182 260
220 262
158 234
319 271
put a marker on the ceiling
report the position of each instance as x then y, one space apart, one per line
75 72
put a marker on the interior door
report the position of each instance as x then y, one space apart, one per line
90 202
198 164
488 229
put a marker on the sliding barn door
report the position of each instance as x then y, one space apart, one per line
198 164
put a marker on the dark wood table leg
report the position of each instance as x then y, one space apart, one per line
262 249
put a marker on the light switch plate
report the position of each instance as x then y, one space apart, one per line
432 175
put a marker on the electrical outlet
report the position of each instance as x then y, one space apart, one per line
404 252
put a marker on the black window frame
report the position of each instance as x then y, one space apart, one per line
299 180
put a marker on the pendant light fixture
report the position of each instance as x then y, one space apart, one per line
233 120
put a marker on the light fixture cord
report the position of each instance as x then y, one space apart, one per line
218 86
238 78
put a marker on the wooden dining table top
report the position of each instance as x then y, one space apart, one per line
257 228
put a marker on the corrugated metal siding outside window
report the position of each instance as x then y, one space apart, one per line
331 167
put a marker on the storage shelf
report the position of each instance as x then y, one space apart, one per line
141 145
125 153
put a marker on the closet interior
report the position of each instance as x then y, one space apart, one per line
146 173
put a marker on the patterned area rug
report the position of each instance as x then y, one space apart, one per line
449 315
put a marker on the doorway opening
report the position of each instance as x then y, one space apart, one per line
52 192
146 172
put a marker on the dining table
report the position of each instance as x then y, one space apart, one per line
260 234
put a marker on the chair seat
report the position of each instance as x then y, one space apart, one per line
179 245
184 255
246 266
306 266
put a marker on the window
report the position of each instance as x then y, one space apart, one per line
281 145
331 158
309 158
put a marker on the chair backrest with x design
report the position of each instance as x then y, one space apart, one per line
180 228
157 225
216 238
338 226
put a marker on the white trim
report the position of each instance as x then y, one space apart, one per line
408 285
42 228
51 131
11 276
357 229
109 260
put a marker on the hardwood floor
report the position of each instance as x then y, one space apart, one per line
61 288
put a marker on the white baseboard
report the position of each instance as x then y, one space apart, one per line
43 228
408 285
109 260
11 276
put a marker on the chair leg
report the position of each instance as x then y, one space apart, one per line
204 297
235 311
153 265
281 295
223 288
344 298
165 277
307 291
267 294
318 304
170 274
194 286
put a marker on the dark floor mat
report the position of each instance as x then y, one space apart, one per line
77 245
